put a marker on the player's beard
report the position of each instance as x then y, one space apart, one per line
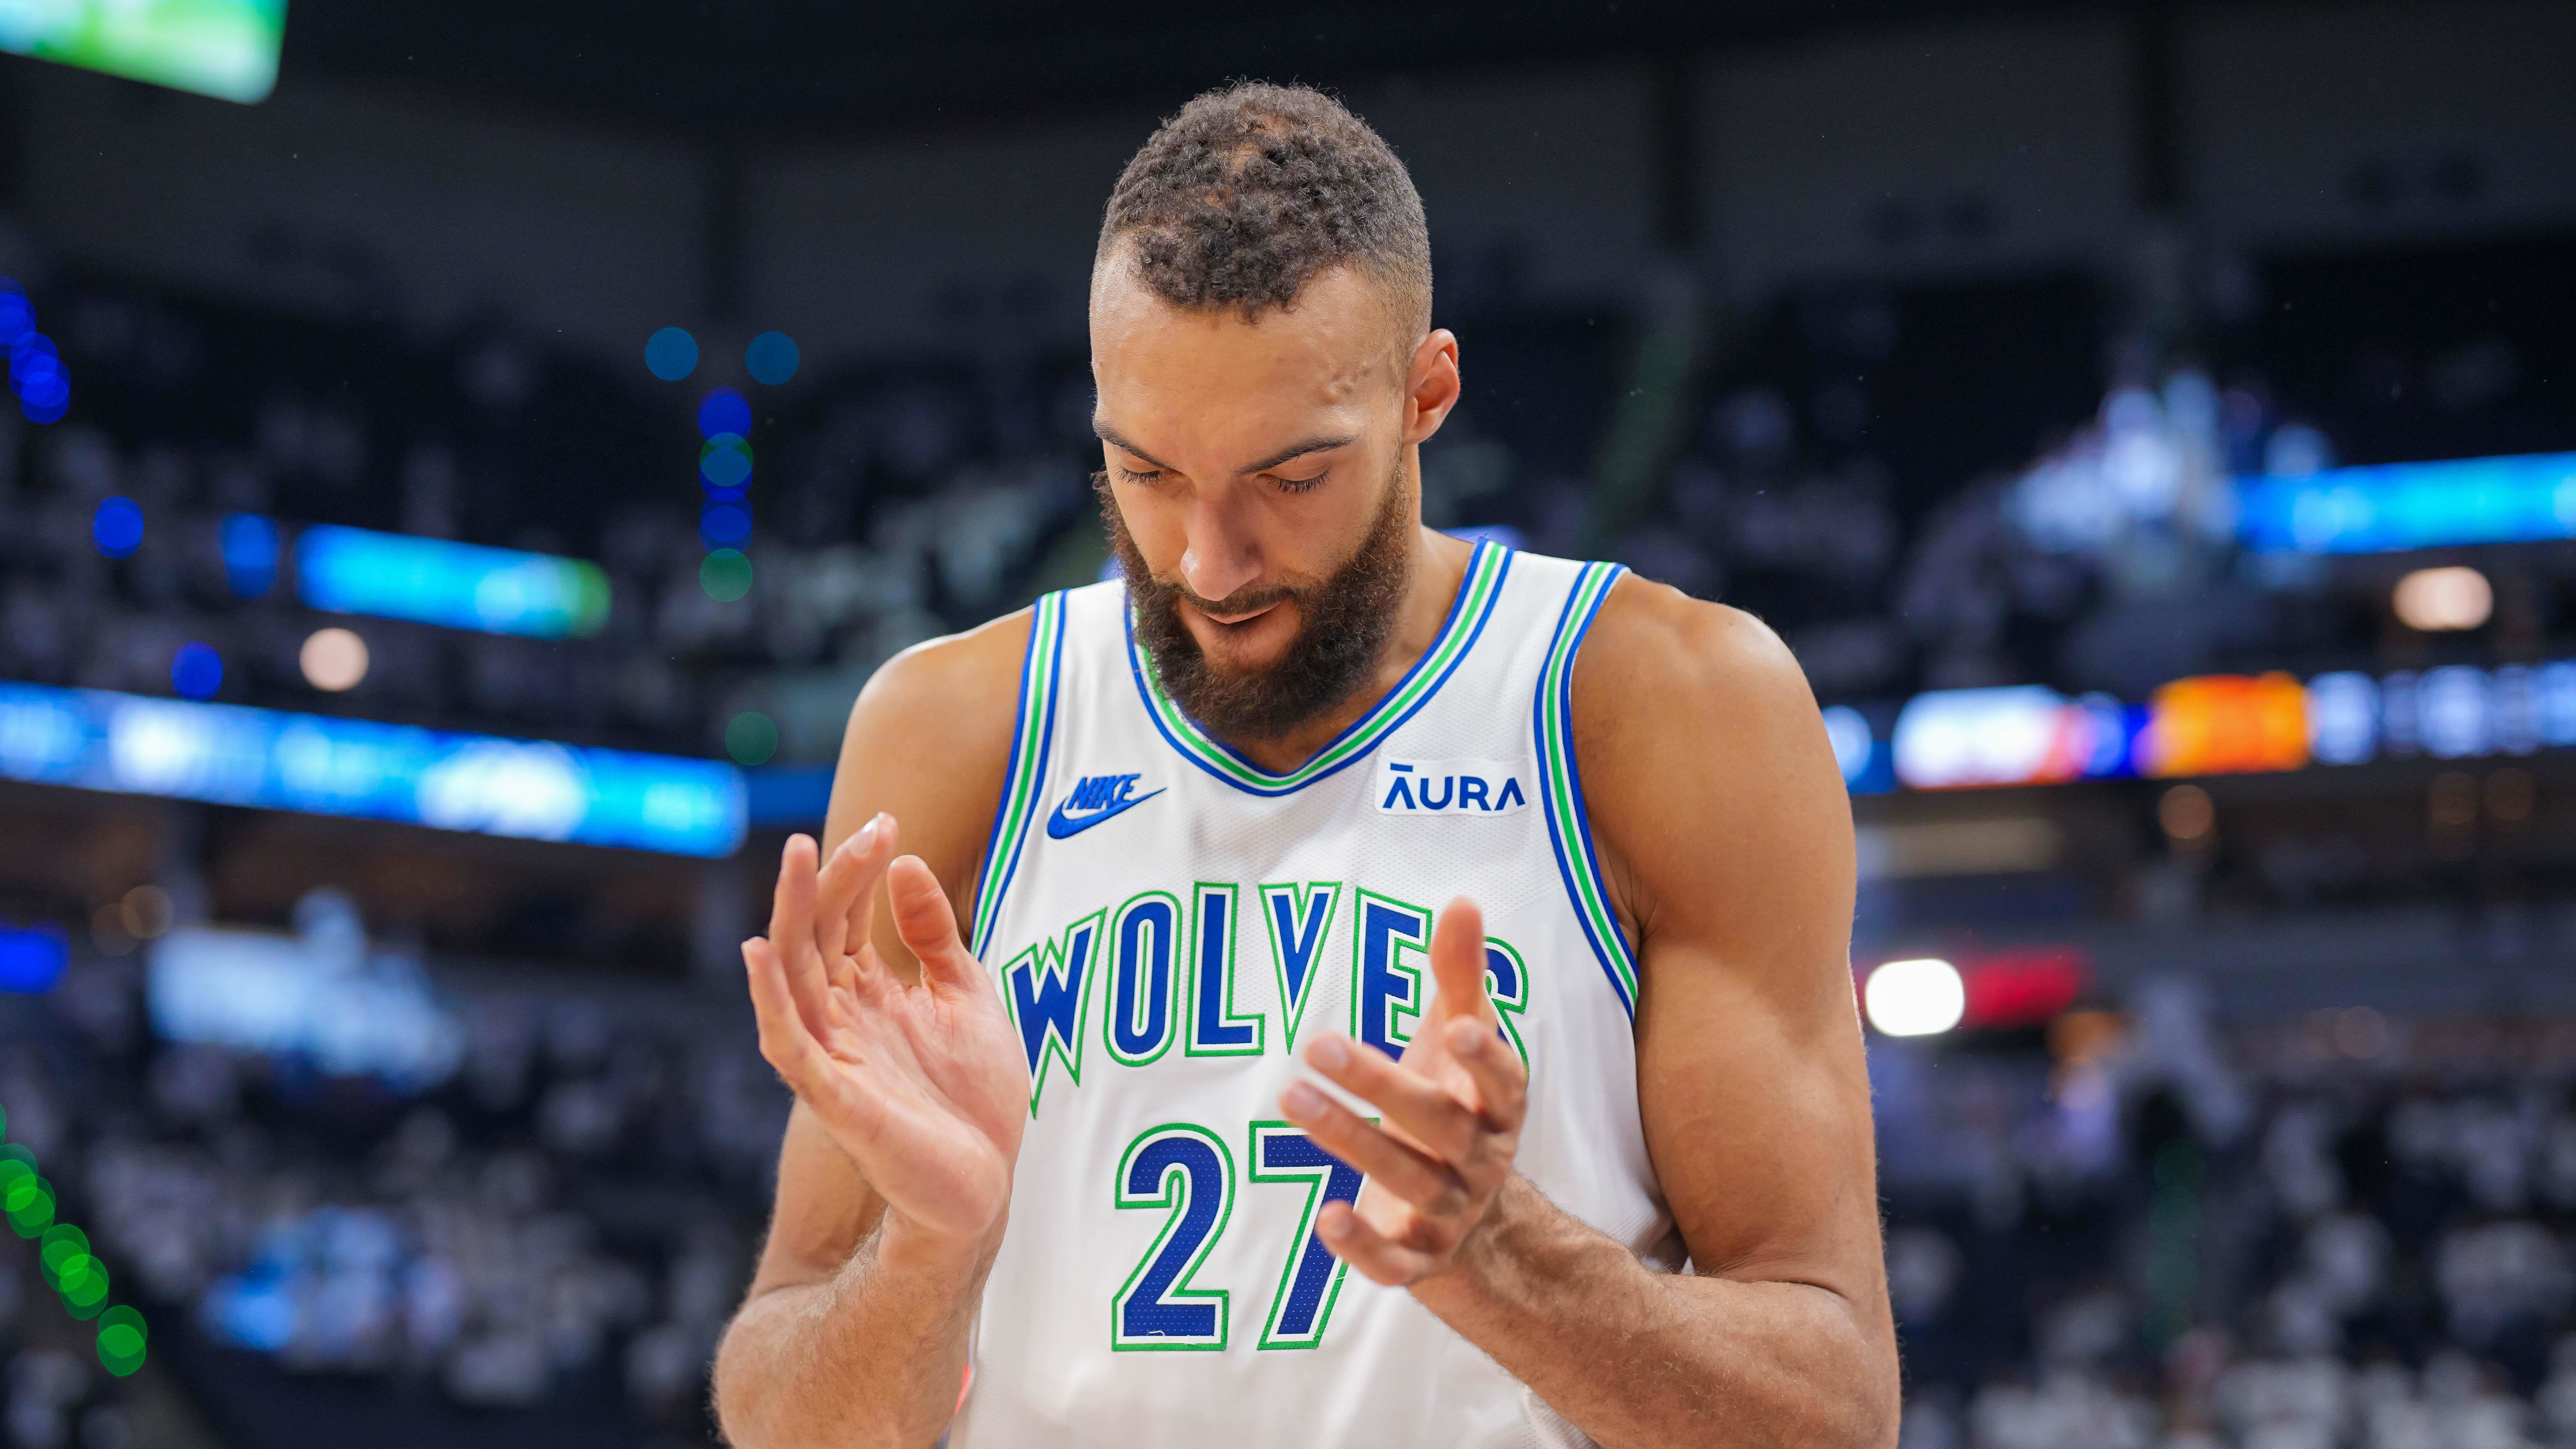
1343 622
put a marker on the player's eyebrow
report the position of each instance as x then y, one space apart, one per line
1108 434
1299 450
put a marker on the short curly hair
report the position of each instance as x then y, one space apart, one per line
1250 192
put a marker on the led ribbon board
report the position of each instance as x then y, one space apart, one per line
2212 724
457 585
2391 507
221 48
230 755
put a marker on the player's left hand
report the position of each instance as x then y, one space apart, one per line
1451 1120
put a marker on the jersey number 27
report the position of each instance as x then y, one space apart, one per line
1186 1170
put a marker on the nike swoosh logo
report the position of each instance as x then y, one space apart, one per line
1060 825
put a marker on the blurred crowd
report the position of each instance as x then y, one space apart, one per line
2349 1233
564 1225
887 506
1909 506
1914 507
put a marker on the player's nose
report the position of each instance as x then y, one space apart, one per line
1221 557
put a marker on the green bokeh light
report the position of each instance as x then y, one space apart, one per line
725 461
30 1204
64 1257
751 738
726 575
87 1295
122 1340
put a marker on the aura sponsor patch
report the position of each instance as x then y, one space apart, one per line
1451 787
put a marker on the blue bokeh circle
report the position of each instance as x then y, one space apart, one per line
723 411
117 527
670 354
197 671
771 357
724 524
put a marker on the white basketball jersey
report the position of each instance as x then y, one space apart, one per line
1167 920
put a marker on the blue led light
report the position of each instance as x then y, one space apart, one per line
671 354
33 353
117 527
458 585
250 554
17 318
197 671
771 357
723 411
270 759
2389 507
36 375
723 525
31 959
788 794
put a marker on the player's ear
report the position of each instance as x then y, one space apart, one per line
1431 384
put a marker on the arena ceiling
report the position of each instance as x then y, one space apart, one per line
800 65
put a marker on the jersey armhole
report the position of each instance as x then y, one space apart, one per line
1032 736
1569 826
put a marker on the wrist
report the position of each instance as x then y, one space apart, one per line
1481 1253
903 1246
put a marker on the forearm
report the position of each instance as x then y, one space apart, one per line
871 1356
1639 1359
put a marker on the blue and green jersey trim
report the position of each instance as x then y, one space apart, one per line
1474 604
1569 828
1032 737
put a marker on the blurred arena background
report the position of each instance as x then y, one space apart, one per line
453 495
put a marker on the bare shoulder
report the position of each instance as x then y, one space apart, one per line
963 675
1662 668
929 741
1706 768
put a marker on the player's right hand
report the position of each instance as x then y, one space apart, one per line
923 1083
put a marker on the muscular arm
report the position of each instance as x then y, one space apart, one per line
850 1335
1727 836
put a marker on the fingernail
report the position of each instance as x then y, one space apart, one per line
1466 1037
1329 1053
1335 1227
867 836
1301 1100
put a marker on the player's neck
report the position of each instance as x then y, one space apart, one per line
1439 568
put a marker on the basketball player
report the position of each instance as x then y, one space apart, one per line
1150 1084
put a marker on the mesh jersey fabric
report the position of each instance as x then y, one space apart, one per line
1166 921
